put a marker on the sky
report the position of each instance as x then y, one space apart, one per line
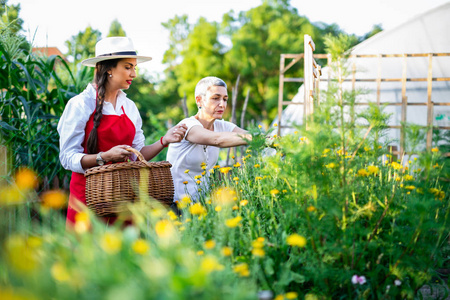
52 22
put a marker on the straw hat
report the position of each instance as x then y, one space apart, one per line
112 48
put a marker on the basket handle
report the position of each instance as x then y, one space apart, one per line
139 155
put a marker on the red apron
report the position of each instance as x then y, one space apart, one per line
113 130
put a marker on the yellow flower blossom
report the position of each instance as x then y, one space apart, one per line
274 192
164 229
140 246
291 295
172 215
396 165
26 179
184 201
237 165
209 244
227 251
257 165
11 195
296 240
275 124
330 166
197 177
366 148
111 243
258 252
210 264
59 272
373 169
218 208
197 209
436 149
259 126
200 252
233 222
311 208
224 196
186 171
54 199
279 297
363 172
241 269
243 202
235 207
225 170
235 178
185 182
22 252
258 178
408 178
410 187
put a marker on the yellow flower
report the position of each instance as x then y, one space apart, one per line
330 166
216 167
185 182
235 207
258 252
243 202
436 149
198 182
410 187
140 246
236 178
225 170
275 124
274 192
259 126
210 263
186 171
82 222
185 201
241 269
11 195
218 208
223 196
291 295
366 148
172 215
279 297
59 272
197 177
258 243
22 253
233 222
227 251
164 229
197 209
296 240
257 165
200 252
55 199
210 244
363 172
373 169
396 165
111 243
258 178
237 165
26 179
311 208
408 178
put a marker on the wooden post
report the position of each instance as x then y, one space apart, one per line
404 108
429 102
379 79
280 93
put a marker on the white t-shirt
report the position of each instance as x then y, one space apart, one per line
72 125
189 156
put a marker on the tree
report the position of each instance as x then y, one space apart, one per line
82 46
10 17
116 29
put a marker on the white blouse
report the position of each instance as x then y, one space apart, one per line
72 124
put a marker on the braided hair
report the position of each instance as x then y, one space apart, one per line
100 80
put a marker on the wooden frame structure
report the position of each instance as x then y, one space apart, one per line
311 89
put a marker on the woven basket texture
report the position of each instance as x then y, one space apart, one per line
109 188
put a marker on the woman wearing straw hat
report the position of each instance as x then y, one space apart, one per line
99 124
198 152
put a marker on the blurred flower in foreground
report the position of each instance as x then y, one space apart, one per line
291 295
59 272
233 222
210 263
227 251
223 196
296 240
82 223
210 244
23 252
363 172
358 279
164 229
140 246
11 195
241 269
373 169
184 201
111 243
197 209
274 192
26 179
54 199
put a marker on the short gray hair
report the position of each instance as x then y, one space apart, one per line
204 84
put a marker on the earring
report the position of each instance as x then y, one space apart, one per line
110 75
199 107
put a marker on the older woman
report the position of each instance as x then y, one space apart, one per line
100 123
198 152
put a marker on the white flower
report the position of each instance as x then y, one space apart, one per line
358 279
397 282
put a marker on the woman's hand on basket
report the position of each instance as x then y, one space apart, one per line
175 134
117 153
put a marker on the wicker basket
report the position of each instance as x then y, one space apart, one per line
110 188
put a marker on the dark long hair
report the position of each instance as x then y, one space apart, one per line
100 80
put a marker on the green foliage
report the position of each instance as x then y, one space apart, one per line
82 46
116 29
10 17
32 100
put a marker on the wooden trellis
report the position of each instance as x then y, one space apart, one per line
312 78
